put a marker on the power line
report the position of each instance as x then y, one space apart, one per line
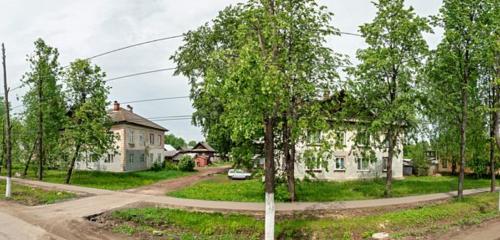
155 99
140 73
351 34
134 45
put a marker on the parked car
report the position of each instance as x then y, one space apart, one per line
238 174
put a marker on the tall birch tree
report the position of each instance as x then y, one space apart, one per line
383 86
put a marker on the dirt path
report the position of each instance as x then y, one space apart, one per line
489 230
66 220
162 187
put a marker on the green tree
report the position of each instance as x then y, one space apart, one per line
383 92
88 127
260 61
453 72
45 107
489 71
176 142
192 143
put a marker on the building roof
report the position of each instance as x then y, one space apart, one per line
126 116
169 147
204 145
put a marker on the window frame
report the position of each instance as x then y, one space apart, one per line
384 163
131 158
130 137
151 139
336 169
367 169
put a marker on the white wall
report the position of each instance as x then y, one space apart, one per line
350 153
140 148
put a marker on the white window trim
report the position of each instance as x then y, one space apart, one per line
384 162
335 169
362 170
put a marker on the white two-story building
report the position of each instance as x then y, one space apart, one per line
138 144
348 160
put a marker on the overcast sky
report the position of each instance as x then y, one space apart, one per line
82 28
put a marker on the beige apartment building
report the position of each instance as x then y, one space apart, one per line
138 145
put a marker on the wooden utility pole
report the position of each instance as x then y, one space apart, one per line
8 144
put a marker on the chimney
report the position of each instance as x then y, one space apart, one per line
130 108
116 106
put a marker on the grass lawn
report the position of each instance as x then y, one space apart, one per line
34 196
222 189
107 180
416 222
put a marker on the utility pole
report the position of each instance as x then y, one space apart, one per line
8 143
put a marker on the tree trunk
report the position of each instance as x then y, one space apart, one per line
453 166
492 152
25 172
388 179
463 127
269 178
72 164
289 161
40 129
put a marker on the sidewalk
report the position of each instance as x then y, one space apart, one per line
106 199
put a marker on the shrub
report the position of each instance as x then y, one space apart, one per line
186 164
169 165
157 166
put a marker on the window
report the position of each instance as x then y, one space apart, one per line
142 157
314 137
313 162
130 157
159 140
444 163
131 136
363 163
141 138
109 158
340 138
384 163
340 163
363 139
151 157
151 139
159 157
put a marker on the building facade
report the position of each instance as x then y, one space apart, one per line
139 144
348 160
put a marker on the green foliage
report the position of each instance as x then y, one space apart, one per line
382 94
176 142
416 153
44 65
456 82
223 189
256 62
158 166
186 164
88 127
416 222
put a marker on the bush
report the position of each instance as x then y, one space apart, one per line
169 165
157 166
186 164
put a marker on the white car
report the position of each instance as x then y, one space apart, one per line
238 174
